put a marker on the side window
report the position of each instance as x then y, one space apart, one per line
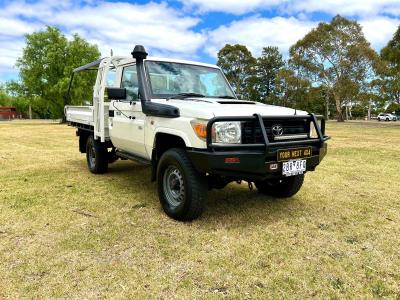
130 82
111 77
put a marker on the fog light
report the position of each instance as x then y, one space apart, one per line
273 167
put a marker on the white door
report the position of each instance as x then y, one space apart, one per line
127 131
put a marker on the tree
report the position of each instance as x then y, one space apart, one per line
5 99
237 62
45 67
390 56
268 65
336 56
297 92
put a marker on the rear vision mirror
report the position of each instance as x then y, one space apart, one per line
116 93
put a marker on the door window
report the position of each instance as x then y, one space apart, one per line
130 83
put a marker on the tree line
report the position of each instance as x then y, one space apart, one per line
45 68
332 71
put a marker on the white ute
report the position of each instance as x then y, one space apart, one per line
184 120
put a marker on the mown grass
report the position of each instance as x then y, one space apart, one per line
65 233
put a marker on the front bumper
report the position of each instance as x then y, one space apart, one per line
247 164
256 161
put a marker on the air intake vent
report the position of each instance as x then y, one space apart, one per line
236 102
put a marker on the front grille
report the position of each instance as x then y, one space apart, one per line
292 129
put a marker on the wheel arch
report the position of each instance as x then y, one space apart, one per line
162 142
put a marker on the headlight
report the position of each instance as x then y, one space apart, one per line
227 133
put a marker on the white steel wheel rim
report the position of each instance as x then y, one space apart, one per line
173 186
92 156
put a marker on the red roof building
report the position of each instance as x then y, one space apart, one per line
8 112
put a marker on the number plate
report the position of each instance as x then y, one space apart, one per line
295 153
294 167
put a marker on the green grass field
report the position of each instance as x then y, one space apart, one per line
65 233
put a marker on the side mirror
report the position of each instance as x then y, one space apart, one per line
239 96
116 93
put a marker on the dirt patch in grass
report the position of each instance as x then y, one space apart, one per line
67 233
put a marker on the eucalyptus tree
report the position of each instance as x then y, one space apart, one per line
390 56
238 64
335 55
267 68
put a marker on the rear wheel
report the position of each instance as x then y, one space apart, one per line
96 156
181 189
281 188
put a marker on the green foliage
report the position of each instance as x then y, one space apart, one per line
237 62
393 108
45 68
20 103
335 55
390 55
5 99
330 68
267 67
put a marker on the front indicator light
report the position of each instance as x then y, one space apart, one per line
200 128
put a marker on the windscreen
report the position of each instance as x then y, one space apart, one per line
168 79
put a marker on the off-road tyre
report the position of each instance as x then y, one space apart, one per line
96 156
281 188
176 176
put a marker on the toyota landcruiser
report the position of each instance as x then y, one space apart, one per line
184 120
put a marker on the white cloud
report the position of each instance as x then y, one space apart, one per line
258 32
379 30
345 7
237 7
168 31
118 26
333 7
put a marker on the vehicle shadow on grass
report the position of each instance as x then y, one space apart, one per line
235 205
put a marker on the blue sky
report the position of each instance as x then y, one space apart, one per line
189 29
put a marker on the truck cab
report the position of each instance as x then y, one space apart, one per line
184 120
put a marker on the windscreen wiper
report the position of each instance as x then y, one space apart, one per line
226 97
185 95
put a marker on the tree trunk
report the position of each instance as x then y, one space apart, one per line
350 115
326 106
30 112
338 104
369 110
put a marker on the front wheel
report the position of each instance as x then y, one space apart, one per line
281 188
181 189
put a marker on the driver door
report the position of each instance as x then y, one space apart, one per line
129 120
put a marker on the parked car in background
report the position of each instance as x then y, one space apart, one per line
386 117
